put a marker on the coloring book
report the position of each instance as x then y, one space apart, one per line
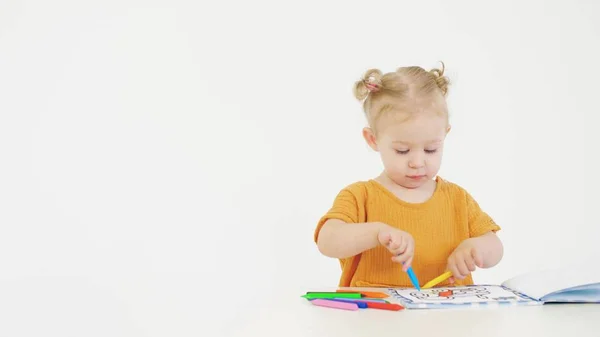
447 297
574 285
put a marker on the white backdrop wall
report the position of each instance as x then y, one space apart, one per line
154 155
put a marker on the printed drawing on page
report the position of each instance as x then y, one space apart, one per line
468 294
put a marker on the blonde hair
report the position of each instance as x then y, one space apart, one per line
406 90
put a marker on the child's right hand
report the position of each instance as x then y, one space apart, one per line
400 243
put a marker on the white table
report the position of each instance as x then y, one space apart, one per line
295 316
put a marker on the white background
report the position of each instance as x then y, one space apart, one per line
151 151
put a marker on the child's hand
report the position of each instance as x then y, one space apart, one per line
464 259
401 244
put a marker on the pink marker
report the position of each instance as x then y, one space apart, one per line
335 304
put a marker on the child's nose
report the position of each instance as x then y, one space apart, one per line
416 161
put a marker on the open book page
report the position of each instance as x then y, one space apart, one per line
451 296
542 283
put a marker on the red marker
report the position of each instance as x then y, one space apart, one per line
384 306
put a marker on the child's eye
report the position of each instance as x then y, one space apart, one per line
431 151
402 151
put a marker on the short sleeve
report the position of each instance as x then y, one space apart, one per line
479 221
345 207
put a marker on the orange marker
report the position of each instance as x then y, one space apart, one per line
368 294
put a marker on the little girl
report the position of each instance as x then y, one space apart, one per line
406 216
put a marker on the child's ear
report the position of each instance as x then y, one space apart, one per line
370 138
448 128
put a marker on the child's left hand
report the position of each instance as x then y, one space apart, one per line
465 258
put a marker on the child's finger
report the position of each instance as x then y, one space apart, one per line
409 252
461 266
403 258
395 244
470 263
452 267
401 248
408 263
410 248
477 257
385 239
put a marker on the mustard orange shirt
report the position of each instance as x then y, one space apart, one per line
437 225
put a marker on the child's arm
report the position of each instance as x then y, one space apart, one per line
341 240
483 251
490 247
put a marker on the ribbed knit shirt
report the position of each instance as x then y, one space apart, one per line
437 225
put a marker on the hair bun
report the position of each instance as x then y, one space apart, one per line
441 80
371 82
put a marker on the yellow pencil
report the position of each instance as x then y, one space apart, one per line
437 280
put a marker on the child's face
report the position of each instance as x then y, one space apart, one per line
411 150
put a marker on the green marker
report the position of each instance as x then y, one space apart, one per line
314 295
